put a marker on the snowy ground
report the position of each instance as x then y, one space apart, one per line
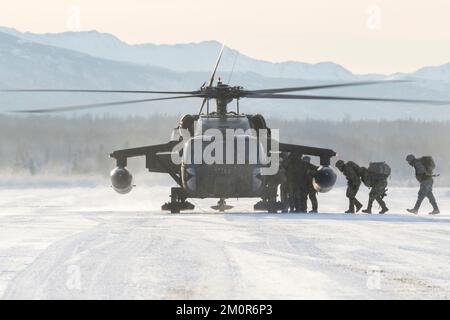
63 243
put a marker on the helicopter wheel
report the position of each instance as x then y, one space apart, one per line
272 207
174 199
268 206
221 206
177 201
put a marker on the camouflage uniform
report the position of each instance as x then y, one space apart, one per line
284 196
312 193
297 183
426 185
269 195
377 192
271 188
284 186
353 184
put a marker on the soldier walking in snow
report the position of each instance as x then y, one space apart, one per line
297 182
351 172
424 174
311 170
375 177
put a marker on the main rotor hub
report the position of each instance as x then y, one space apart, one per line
223 94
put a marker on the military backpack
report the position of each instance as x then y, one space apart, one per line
354 166
365 177
428 163
379 170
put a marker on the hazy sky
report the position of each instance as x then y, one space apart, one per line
380 36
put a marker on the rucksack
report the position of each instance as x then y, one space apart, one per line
428 163
379 169
354 166
366 177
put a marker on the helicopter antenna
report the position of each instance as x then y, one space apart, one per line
211 80
232 68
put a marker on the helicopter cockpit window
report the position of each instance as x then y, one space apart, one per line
222 124
187 122
258 122
175 136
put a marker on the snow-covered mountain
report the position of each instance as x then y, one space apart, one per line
440 73
27 62
182 57
196 57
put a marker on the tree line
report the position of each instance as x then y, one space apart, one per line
43 145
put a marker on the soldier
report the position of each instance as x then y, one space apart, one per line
424 174
376 179
312 193
297 182
269 196
284 186
350 171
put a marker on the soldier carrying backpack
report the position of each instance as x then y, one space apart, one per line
424 168
311 170
375 177
351 172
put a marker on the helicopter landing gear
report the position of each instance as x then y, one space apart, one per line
221 206
269 206
177 201
269 201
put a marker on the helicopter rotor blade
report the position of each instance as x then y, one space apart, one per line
338 85
98 105
309 97
99 91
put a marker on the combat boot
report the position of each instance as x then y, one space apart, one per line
415 210
369 207
351 207
358 205
384 210
434 204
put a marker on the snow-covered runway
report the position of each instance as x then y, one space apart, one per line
65 243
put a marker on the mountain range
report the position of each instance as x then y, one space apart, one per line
99 60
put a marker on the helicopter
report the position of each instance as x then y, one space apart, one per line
251 171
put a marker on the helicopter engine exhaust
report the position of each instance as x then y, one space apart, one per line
121 180
324 179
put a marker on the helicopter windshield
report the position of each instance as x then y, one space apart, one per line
221 123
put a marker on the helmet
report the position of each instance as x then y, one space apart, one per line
410 158
339 164
307 159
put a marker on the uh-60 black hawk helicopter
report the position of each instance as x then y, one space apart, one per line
220 179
